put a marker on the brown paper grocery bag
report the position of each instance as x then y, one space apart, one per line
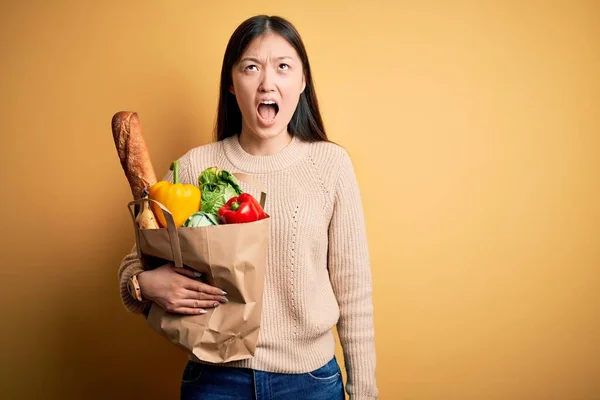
231 257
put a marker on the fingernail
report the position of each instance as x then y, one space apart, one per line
202 311
197 273
215 304
224 299
224 293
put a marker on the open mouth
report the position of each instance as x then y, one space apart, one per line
267 110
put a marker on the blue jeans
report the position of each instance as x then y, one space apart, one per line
208 382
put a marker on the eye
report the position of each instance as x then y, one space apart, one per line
284 66
251 68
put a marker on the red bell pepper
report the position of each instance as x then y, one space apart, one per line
241 209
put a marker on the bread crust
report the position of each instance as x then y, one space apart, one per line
133 152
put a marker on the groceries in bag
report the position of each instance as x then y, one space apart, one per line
224 237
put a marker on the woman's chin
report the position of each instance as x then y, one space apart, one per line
268 132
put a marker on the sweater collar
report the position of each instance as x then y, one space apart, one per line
246 162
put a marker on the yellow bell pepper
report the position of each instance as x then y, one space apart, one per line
182 200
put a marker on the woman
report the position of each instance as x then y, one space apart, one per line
318 272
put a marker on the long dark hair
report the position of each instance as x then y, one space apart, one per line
306 123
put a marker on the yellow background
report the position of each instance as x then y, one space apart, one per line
474 127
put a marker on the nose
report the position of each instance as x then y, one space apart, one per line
267 83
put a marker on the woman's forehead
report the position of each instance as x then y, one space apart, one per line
271 46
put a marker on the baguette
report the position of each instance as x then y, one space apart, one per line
133 153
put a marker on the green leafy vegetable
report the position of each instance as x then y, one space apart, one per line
217 187
201 218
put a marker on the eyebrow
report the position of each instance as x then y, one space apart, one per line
256 60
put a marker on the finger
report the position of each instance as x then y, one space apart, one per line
203 287
192 294
198 304
190 273
188 311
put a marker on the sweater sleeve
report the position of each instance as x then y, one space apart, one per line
350 273
131 265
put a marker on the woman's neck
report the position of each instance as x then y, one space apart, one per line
257 146
270 157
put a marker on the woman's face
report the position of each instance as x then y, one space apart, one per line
267 83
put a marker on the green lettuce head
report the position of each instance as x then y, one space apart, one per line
217 187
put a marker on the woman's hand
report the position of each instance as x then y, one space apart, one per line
177 291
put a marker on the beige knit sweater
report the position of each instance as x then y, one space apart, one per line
318 272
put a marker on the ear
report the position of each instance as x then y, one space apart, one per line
303 83
232 90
